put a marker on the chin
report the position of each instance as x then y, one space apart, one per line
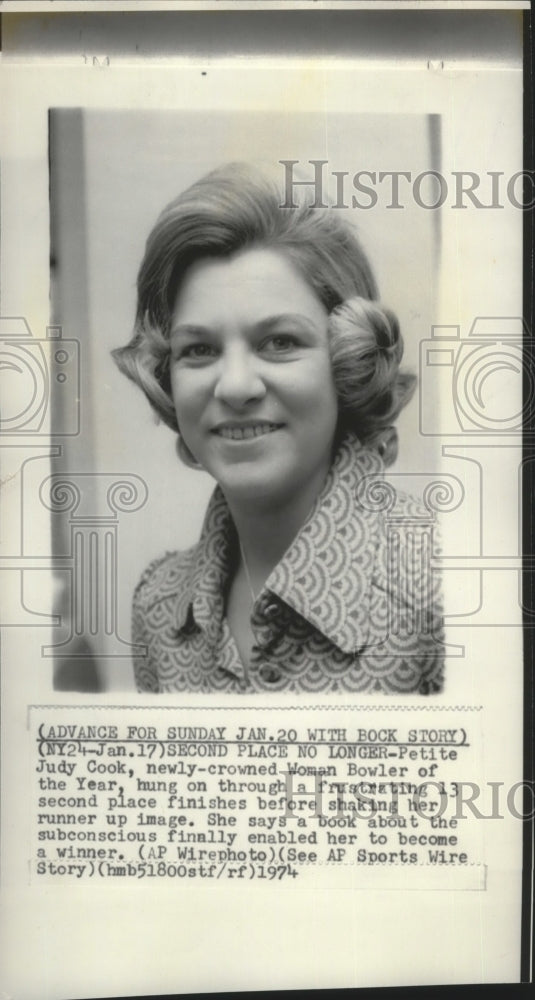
246 486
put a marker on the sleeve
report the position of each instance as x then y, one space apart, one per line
432 622
425 618
413 580
432 653
145 672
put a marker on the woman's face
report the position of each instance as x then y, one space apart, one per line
251 376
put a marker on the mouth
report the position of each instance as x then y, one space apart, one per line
245 432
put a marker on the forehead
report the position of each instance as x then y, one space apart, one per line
250 284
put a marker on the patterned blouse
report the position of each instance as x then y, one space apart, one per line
353 605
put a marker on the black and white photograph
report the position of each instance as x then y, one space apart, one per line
313 573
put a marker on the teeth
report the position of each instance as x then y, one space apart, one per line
249 431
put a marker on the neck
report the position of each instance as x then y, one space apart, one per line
266 532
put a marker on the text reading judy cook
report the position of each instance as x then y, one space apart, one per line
347 801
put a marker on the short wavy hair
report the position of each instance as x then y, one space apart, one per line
234 208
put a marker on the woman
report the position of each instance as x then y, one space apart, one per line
259 340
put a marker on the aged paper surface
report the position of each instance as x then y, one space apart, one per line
292 876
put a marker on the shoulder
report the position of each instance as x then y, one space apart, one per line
164 577
406 519
401 507
410 541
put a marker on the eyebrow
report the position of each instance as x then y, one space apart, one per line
189 330
197 330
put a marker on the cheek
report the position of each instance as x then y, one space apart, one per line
315 390
326 402
315 412
187 393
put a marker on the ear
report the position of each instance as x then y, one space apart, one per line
385 442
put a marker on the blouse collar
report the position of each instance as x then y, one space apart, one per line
324 576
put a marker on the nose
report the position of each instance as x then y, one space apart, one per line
238 382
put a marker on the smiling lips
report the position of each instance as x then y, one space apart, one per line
245 432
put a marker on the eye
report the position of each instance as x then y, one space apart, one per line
280 343
196 352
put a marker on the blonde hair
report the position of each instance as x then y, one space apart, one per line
366 350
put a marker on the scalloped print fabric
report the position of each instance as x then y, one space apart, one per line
353 606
